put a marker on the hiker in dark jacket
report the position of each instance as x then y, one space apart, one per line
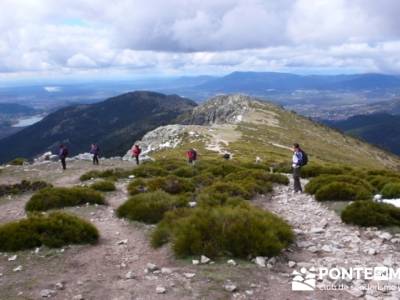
63 154
95 150
298 161
191 156
136 153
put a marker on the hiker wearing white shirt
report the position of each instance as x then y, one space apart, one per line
299 160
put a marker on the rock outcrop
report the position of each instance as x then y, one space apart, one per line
163 137
226 109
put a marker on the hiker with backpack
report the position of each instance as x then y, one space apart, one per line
95 150
63 154
299 160
191 156
136 153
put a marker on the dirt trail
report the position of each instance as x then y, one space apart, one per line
324 241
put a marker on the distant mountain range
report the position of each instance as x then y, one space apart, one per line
15 109
256 82
114 124
381 129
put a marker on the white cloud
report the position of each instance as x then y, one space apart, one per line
198 36
52 89
81 61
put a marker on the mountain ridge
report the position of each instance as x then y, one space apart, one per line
254 128
370 128
113 123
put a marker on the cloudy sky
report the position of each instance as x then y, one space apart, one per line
95 38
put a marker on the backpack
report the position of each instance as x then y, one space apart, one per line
65 152
194 155
304 160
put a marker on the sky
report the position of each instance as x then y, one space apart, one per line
144 38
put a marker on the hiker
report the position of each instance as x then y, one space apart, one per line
300 159
227 156
192 156
136 153
95 150
63 154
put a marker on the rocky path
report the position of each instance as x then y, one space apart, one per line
324 241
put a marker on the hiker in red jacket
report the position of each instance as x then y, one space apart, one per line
136 153
192 156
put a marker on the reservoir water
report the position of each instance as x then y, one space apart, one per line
28 121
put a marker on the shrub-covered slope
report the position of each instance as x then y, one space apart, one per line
247 128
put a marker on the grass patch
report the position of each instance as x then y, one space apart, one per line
52 198
369 213
19 161
238 231
150 207
22 187
103 186
52 230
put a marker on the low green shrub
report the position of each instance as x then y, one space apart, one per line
89 175
391 190
204 179
137 186
150 207
162 233
224 169
206 200
239 231
259 176
52 198
254 166
318 182
110 174
103 186
22 187
171 184
149 170
369 213
230 189
379 181
341 191
169 165
384 172
254 187
316 170
19 161
185 172
53 230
